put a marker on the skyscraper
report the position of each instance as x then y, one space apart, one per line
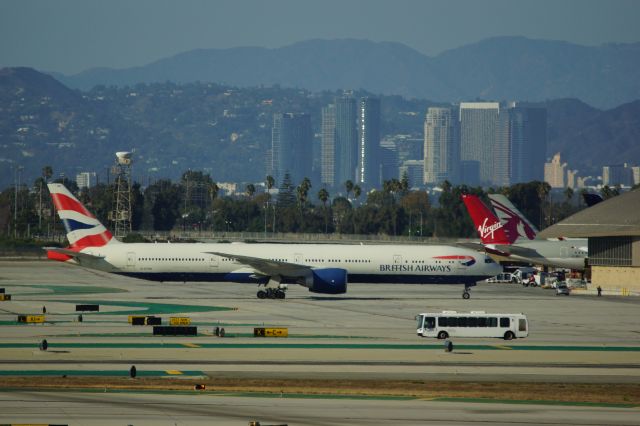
346 145
368 173
291 140
328 146
478 121
520 147
441 146
554 172
508 143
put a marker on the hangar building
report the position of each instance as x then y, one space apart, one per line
613 231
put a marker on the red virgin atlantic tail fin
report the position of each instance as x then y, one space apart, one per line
489 228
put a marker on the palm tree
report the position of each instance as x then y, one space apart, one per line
323 195
270 181
213 194
348 185
250 190
357 191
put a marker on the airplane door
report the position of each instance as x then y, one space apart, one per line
214 261
131 259
297 258
397 259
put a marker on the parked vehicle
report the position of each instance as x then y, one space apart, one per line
504 277
562 288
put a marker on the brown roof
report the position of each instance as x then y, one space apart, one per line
616 217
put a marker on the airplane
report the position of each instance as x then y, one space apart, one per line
514 238
322 268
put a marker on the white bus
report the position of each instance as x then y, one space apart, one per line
473 324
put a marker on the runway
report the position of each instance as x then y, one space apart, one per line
369 333
170 409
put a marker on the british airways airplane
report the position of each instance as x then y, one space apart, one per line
322 268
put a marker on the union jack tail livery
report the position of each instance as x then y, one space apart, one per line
512 219
489 228
83 229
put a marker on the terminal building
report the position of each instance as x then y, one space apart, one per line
613 231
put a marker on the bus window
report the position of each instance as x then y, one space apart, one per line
462 321
482 322
522 324
429 322
472 322
504 322
452 321
419 318
493 322
442 321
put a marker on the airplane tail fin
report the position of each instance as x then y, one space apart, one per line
513 220
489 228
591 199
83 229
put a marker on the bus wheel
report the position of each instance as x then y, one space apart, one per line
443 335
509 335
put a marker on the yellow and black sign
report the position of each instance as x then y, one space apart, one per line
31 318
270 332
179 321
4 296
131 318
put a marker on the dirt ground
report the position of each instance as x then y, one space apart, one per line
556 392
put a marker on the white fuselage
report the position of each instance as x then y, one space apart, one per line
420 264
569 254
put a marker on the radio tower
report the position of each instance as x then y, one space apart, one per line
121 214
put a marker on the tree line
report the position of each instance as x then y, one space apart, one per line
195 202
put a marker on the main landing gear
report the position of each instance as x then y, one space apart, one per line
271 293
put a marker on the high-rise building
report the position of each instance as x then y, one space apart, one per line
555 171
572 179
509 142
617 174
291 140
478 122
86 179
414 169
389 159
368 173
635 171
520 146
441 146
346 142
328 146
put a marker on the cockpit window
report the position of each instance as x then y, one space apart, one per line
488 260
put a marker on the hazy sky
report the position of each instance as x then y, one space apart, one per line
73 35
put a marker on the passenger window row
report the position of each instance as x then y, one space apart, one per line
473 322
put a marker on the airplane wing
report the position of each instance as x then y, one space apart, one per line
74 254
267 266
517 250
471 245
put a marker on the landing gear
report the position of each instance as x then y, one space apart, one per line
271 293
465 293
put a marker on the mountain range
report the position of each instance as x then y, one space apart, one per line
500 68
226 131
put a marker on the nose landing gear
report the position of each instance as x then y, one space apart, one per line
466 292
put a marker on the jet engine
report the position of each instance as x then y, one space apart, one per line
327 281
